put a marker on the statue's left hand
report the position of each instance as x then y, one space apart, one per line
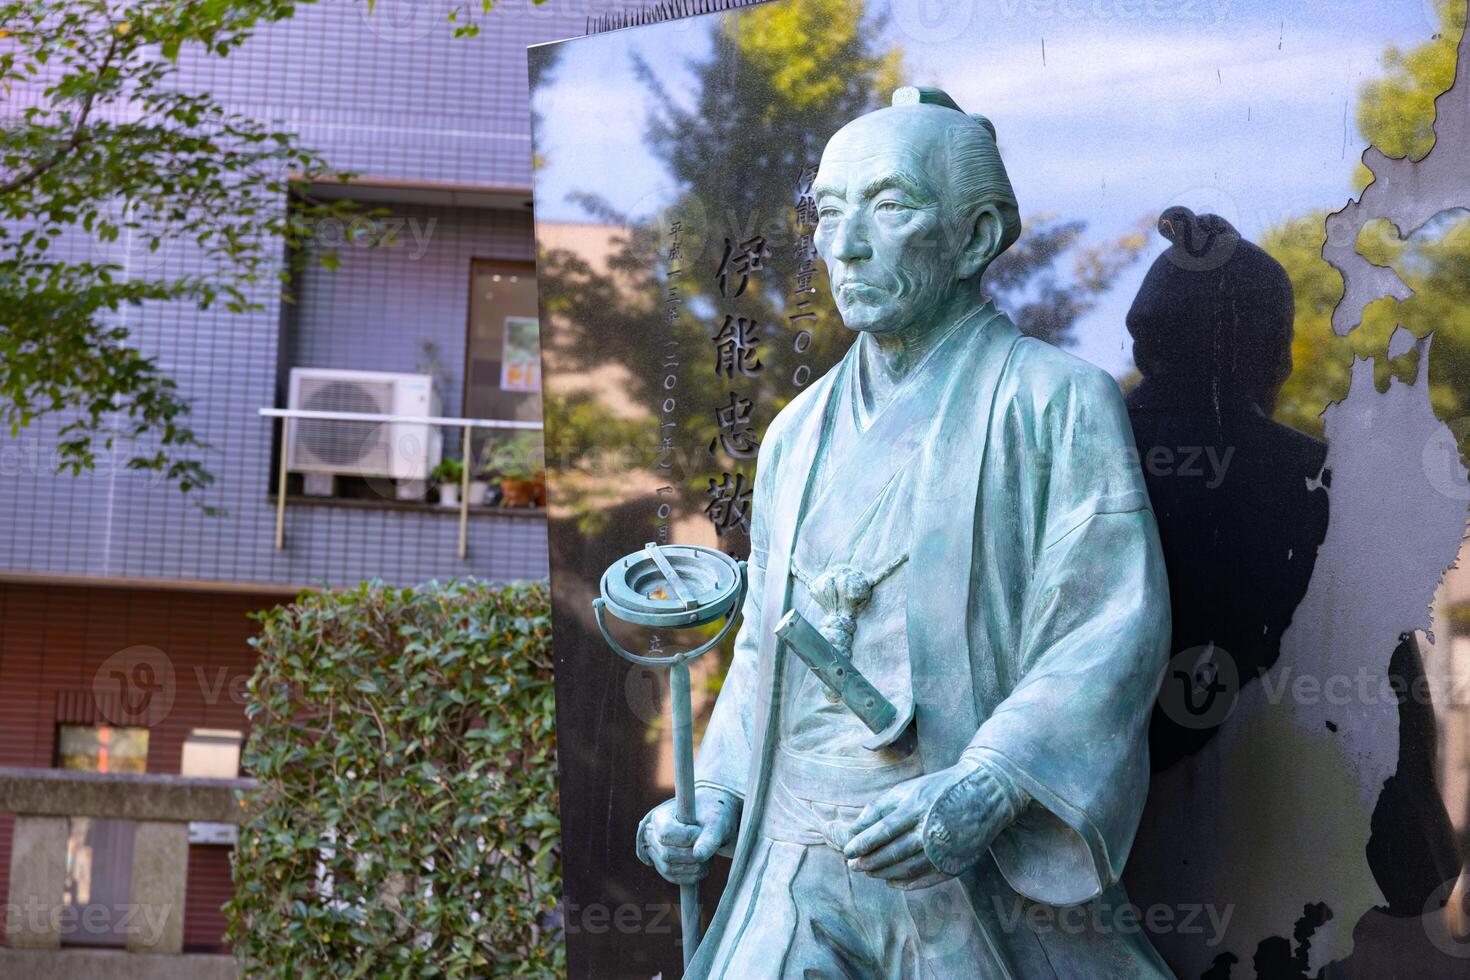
934 826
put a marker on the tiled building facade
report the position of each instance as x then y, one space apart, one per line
438 129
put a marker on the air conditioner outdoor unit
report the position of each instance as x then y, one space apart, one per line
395 450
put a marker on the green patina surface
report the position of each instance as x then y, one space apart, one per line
956 512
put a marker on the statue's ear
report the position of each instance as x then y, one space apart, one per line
985 233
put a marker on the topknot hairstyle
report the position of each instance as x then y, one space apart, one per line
978 173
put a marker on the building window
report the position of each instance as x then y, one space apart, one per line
503 351
372 337
102 748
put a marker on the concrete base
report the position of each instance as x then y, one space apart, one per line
107 964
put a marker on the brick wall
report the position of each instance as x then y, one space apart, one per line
53 641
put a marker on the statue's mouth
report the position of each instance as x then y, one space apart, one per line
854 286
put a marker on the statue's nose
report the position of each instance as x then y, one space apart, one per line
850 243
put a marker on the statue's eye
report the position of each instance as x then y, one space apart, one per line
829 213
891 207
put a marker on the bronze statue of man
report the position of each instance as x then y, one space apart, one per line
959 512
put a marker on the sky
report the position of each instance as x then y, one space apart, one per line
1107 111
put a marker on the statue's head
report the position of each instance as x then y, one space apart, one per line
914 205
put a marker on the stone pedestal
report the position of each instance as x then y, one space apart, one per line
160 873
37 880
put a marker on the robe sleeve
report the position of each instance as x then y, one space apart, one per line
724 752
1093 640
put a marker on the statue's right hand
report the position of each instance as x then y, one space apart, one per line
681 852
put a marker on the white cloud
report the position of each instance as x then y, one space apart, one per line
1151 77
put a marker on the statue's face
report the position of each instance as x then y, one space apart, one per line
884 228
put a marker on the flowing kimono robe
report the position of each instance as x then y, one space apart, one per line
1020 607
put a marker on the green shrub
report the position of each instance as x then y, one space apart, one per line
406 823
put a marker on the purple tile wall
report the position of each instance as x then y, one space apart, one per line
391 95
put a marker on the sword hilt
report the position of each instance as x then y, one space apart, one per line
836 672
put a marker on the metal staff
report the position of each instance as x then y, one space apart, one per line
675 586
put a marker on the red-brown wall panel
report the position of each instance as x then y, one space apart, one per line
56 639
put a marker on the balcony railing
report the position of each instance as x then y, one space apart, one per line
466 426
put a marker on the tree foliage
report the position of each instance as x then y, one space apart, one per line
777 82
102 148
736 154
407 823
1047 301
1396 113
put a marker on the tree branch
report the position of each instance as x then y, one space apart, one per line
78 135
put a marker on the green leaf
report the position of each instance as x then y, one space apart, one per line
398 798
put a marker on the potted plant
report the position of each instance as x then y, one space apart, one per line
448 474
478 488
518 463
